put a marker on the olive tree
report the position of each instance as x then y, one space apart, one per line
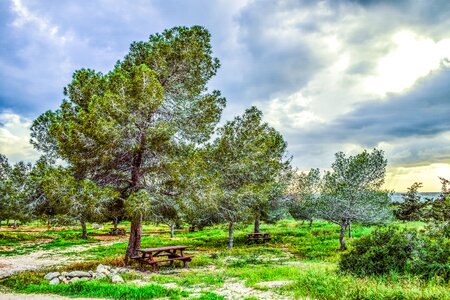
122 128
352 192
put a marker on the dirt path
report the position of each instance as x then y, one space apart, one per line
44 258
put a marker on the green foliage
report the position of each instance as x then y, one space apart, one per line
247 160
15 197
425 253
411 209
432 257
383 251
303 192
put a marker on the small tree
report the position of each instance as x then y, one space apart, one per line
246 161
352 192
14 189
302 195
82 200
439 209
411 207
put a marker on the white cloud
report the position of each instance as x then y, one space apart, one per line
413 57
14 138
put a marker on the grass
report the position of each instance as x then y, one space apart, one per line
302 255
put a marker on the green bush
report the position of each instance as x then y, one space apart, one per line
392 250
432 258
384 251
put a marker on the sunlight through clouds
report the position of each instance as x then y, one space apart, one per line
412 58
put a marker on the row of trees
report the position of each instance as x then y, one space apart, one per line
141 143
137 143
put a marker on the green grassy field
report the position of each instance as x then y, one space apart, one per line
304 257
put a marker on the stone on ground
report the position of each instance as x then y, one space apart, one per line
78 274
51 275
54 281
117 279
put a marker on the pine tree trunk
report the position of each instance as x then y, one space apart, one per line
0 223
257 223
230 236
350 231
15 224
7 222
134 243
84 230
115 223
310 222
342 237
172 230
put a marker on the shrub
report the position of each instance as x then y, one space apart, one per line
432 258
383 251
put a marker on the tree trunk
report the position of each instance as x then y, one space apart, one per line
230 236
7 222
310 222
172 230
15 224
48 224
115 223
134 243
257 223
303 222
342 237
350 232
84 230
0 223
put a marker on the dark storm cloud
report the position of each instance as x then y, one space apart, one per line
413 128
422 111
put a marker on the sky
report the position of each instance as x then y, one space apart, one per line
337 75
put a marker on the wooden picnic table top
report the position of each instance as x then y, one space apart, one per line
149 250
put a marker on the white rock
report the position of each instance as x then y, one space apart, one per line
64 273
103 269
117 279
51 275
78 274
98 275
54 281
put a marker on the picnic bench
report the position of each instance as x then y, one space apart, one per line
172 253
117 231
259 236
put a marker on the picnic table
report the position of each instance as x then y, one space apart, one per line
172 253
259 236
117 231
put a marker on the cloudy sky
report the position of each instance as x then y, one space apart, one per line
341 75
